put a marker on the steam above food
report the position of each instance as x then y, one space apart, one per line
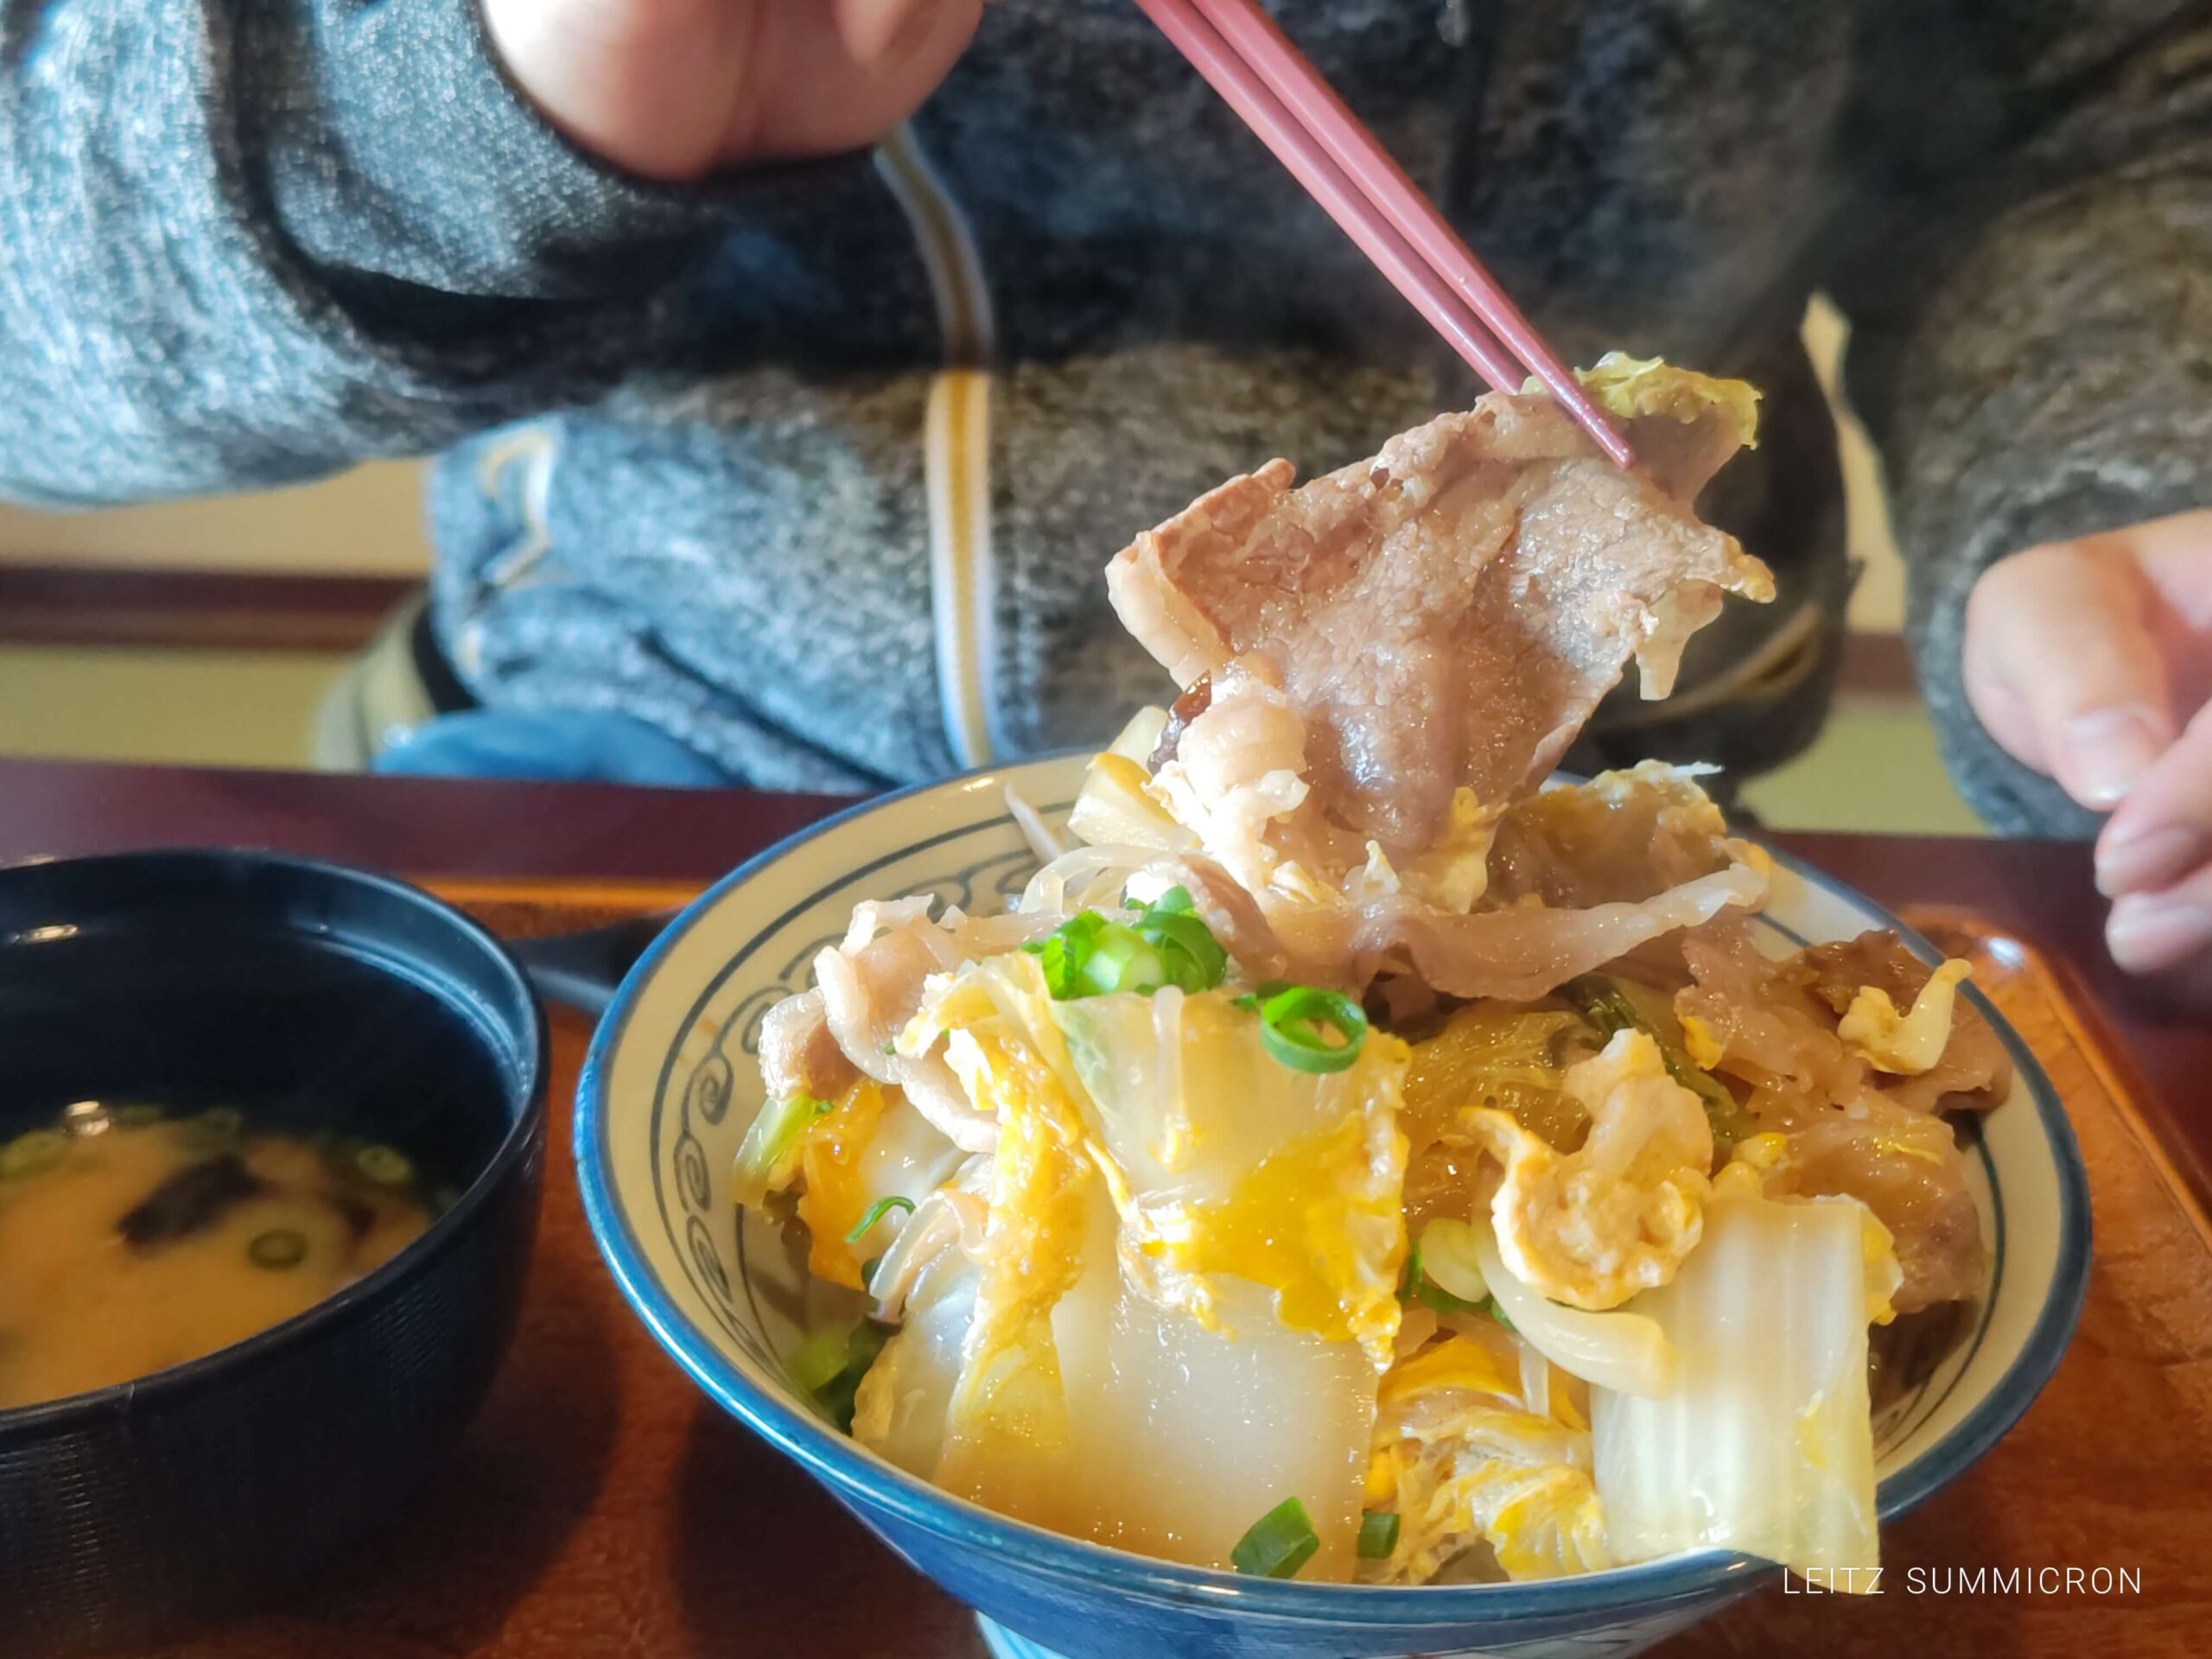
1358 1156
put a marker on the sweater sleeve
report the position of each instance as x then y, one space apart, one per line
251 241
2044 370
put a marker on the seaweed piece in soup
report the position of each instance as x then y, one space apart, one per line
190 1201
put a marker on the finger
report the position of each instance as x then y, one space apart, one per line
2151 933
2060 663
834 77
2174 556
673 89
650 84
2163 831
876 30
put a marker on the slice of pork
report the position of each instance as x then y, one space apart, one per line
1447 614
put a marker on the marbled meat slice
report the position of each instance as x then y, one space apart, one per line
1450 613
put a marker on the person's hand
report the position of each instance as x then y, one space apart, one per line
2091 661
673 89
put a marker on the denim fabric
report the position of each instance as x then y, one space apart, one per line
561 744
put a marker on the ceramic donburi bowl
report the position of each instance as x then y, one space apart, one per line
672 1085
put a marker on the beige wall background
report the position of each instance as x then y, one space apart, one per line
365 522
1877 603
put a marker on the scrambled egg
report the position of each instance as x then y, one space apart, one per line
1904 1044
1700 1045
1455 1362
1318 1223
1011 1375
1317 1217
1593 1227
1449 874
1463 1459
1541 1521
836 1199
1009 1387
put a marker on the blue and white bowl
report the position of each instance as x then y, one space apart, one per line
670 1086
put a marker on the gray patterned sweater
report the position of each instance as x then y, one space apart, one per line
817 470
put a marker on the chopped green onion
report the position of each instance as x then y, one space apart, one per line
1121 959
876 1212
818 1357
1611 1005
838 1394
1279 1543
867 1272
1451 1243
1378 1534
278 1248
1090 955
1434 1297
1059 952
1447 1260
1196 960
1415 1286
1193 952
764 1156
1062 954
32 1150
384 1165
1291 1021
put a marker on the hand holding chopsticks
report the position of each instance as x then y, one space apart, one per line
1281 96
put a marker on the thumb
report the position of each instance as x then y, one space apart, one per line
673 89
649 85
2061 665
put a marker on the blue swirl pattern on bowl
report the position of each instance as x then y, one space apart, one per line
669 1088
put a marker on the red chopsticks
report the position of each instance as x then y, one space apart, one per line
1282 97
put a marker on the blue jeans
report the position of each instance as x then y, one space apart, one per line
567 745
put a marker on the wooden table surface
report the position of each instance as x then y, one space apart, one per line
602 1506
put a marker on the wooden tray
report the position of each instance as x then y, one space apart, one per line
603 1507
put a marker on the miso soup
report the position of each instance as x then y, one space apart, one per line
132 1239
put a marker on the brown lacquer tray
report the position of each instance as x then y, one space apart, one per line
604 1507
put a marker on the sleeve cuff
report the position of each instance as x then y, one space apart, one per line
403 152
2021 499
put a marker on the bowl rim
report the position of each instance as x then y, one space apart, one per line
523 1129
847 1468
